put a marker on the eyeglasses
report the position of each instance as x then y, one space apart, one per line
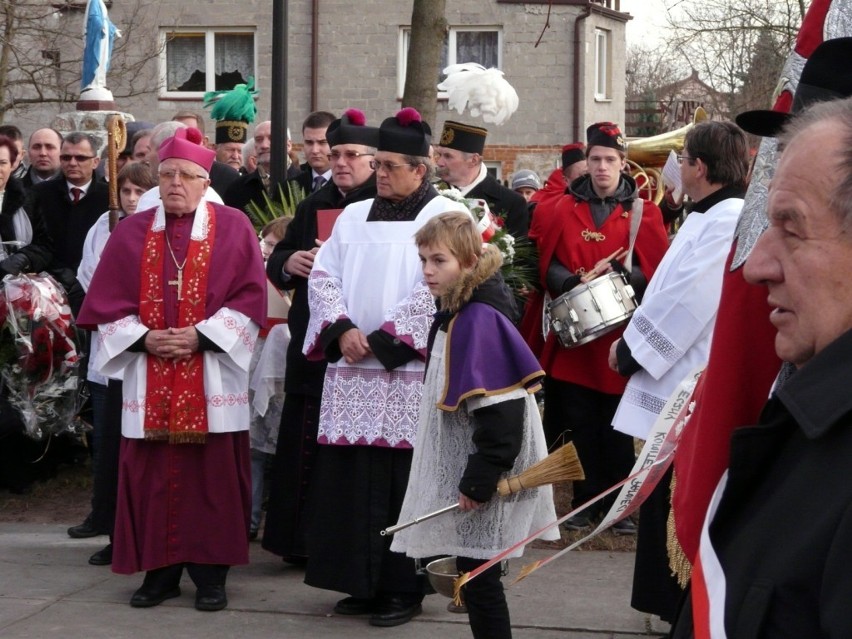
67 157
169 174
685 158
386 166
350 156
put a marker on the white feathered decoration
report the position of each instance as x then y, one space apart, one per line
484 91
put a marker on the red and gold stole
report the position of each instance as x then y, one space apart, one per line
175 403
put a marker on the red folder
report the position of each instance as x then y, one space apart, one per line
325 222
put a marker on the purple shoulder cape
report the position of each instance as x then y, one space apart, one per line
486 356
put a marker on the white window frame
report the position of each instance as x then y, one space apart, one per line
603 66
405 40
496 169
209 56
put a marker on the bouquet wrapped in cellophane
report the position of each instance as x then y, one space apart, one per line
38 354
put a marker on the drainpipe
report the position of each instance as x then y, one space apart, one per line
314 52
576 128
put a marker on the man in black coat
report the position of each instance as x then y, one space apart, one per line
315 145
289 266
70 204
252 186
43 154
775 551
458 160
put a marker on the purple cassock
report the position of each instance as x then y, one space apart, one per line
181 502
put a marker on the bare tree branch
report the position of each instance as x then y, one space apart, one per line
41 51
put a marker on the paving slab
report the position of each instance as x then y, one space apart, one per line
47 589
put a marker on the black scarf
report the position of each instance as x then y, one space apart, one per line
405 210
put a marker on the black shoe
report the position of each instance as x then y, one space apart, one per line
252 535
355 606
624 527
395 611
84 530
452 607
210 598
148 597
295 560
103 557
577 522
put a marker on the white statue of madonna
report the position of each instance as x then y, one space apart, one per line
99 35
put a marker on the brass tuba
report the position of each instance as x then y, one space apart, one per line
647 156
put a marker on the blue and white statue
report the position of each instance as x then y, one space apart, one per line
99 34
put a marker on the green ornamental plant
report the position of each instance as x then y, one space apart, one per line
289 197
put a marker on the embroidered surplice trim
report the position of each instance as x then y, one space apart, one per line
217 401
325 297
370 407
649 402
230 323
655 339
112 327
411 319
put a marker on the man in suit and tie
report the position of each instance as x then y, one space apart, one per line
70 204
317 168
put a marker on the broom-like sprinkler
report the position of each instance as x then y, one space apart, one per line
561 465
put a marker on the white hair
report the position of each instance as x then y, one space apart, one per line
163 131
248 151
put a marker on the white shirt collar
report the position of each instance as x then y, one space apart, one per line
84 188
483 172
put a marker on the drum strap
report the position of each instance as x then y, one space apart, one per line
635 221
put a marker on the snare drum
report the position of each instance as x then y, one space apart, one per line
590 310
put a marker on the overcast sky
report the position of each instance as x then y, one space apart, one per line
648 16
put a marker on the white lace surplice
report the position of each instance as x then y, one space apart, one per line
370 273
669 334
444 441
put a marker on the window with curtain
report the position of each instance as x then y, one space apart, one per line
461 44
206 60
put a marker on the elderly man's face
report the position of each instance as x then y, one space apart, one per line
263 143
182 185
454 167
804 257
396 179
350 166
230 153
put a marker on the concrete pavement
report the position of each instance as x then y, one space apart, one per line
47 589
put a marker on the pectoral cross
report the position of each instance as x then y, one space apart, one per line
178 282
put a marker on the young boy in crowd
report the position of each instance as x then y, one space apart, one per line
478 421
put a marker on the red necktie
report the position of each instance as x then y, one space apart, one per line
76 194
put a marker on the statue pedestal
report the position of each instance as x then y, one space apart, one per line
96 105
96 99
93 122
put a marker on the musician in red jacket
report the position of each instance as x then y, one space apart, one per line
575 234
